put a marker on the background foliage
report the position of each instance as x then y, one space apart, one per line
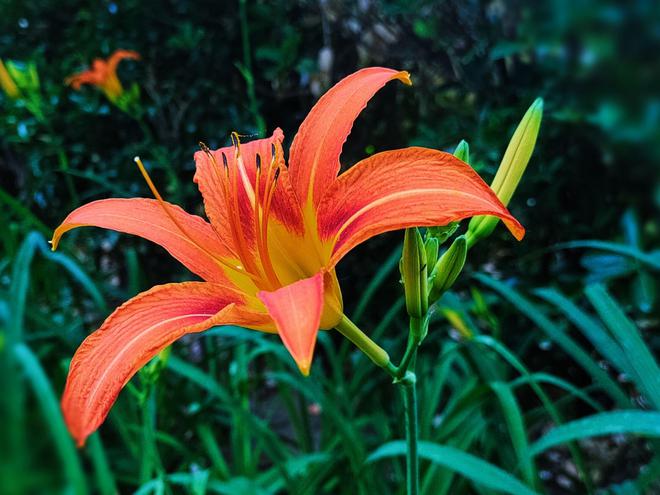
530 337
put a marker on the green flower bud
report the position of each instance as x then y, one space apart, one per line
432 247
414 273
443 232
448 268
25 75
462 151
511 169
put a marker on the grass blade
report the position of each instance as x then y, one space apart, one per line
608 423
652 260
580 356
517 432
641 360
468 465
50 408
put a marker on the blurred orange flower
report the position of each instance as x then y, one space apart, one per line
268 253
103 74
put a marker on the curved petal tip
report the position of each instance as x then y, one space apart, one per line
404 77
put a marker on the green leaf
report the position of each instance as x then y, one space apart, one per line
652 260
609 423
468 465
555 333
643 365
590 328
50 408
517 431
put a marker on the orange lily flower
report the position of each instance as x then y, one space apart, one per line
103 74
275 234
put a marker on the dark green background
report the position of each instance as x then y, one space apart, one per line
476 67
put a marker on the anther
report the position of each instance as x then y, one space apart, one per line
236 142
277 174
224 161
204 148
258 160
272 149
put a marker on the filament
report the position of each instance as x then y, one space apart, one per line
178 224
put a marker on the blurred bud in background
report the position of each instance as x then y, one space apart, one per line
7 83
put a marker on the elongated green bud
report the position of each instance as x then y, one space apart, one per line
448 268
414 273
462 151
432 246
513 165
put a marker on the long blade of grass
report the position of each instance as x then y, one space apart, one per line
559 383
552 411
553 332
517 431
50 409
105 480
652 260
641 423
590 328
643 364
468 465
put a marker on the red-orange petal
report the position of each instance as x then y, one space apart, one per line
314 157
404 188
296 309
147 218
120 55
130 337
210 175
85 77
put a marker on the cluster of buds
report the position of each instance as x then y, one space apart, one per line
20 82
424 286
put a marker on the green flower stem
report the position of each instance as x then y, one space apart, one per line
409 383
404 375
376 353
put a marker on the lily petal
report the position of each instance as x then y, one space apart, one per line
314 157
296 309
147 218
132 335
211 180
120 55
400 189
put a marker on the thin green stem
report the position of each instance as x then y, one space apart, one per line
409 383
408 356
376 353
248 75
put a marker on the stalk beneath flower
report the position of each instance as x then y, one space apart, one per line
376 353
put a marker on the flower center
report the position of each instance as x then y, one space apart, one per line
234 180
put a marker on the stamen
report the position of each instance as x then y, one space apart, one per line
268 193
164 205
224 162
239 236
